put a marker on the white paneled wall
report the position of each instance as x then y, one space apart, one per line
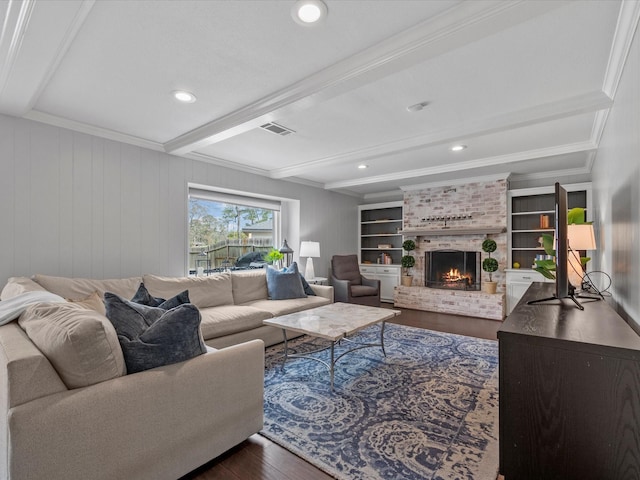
616 191
77 205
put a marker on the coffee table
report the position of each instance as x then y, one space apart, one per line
334 322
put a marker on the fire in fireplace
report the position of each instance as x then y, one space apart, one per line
452 269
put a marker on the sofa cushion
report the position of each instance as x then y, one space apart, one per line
80 288
204 292
19 285
305 285
152 337
284 307
363 291
249 285
228 319
143 297
81 344
92 302
283 285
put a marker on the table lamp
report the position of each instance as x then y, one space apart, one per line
579 237
309 250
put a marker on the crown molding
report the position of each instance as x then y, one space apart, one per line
40 30
388 194
91 130
201 157
468 165
14 26
459 25
552 174
459 181
622 40
568 107
69 35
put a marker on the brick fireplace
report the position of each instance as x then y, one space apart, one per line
455 218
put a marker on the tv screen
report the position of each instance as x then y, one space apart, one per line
561 245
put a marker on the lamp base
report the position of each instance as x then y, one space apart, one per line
308 271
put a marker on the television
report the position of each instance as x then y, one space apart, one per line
563 288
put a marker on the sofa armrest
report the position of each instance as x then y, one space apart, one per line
157 424
371 282
25 373
325 291
341 289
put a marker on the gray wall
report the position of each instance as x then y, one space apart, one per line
616 184
81 206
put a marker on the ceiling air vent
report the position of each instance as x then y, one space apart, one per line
277 129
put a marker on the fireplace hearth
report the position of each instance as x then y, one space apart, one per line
452 270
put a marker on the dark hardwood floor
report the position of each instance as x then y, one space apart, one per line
260 459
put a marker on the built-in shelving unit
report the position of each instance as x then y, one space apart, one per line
380 240
380 233
527 209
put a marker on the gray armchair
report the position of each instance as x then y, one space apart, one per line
349 285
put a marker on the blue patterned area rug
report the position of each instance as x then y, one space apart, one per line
428 410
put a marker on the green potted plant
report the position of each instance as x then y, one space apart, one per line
547 268
489 265
273 257
407 262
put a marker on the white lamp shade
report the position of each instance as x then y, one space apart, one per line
310 249
581 237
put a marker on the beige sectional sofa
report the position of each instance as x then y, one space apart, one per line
156 424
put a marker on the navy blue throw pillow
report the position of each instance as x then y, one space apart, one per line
151 337
143 297
283 285
305 285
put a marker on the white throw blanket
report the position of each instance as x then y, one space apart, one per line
12 308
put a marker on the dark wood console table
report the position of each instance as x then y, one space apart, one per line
569 392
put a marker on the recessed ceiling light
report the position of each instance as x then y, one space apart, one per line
184 97
309 12
458 148
362 166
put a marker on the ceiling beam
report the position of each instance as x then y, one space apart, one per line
458 26
579 104
468 165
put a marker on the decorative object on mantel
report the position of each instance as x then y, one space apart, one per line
407 262
424 232
447 218
489 265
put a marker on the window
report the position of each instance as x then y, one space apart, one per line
230 230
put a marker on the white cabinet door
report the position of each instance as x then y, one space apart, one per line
388 275
518 282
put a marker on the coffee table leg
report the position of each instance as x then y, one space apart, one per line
286 349
333 364
382 338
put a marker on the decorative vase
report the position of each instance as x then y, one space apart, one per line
406 280
489 287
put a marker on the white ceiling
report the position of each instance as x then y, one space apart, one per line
524 84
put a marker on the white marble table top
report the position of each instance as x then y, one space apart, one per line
333 321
